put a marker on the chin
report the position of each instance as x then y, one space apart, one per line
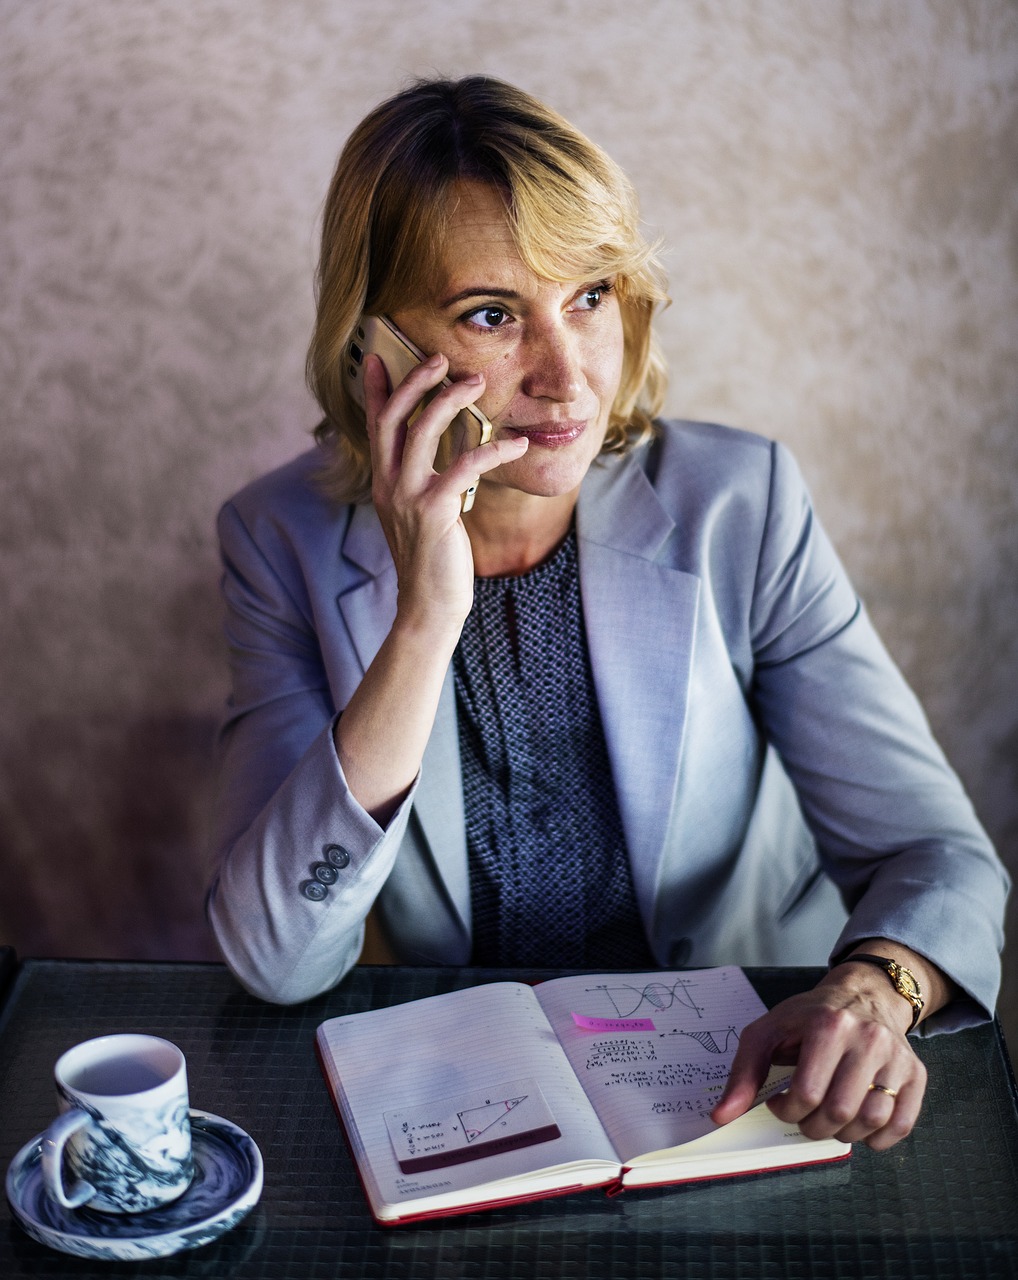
542 477
542 483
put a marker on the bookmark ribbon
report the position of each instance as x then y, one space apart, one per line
613 1024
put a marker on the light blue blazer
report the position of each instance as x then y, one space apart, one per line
780 791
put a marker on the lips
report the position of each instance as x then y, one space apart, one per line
551 435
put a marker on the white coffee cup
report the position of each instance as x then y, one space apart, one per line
124 1127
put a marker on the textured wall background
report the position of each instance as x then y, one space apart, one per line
837 185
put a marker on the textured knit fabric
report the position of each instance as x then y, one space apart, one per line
549 873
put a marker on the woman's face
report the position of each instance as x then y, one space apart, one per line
551 354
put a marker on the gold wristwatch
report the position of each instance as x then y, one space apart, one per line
903 980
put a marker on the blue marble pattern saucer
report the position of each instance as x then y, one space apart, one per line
226 1185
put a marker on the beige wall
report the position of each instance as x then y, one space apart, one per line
835 180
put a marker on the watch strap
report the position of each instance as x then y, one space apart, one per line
892 968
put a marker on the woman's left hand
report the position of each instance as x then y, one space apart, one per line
845 1036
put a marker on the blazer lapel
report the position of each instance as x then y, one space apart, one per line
438 804
368 605
640 615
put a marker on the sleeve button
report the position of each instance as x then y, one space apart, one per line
336 856
314 890
325 874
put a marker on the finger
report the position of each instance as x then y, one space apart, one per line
850 1112
387 410
386 444
474 463
466 472
750 1066
886 1114
426 429
902 1119
388 404
849 1104
405 431
876 1110
805 1100
839 1057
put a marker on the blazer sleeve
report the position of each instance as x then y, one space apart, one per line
298 861
894 827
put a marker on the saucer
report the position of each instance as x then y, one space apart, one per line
226 1185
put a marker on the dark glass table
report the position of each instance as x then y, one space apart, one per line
943 1203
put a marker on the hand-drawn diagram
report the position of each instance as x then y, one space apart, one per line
627 1000
449 1131
478 1120
716 1041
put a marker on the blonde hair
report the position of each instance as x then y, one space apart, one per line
571 210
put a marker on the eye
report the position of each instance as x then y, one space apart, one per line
590 299
488 317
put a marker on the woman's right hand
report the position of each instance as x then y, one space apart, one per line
419 507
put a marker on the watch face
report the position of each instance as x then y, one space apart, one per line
904 981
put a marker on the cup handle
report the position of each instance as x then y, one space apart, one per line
53 1142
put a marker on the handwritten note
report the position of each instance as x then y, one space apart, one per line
653 1085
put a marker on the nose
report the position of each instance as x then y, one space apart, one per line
553 370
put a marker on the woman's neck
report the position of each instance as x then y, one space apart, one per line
512 532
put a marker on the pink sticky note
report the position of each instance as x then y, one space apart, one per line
613 1024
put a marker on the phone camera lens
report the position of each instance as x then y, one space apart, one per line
356 352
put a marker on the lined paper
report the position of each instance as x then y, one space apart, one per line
653 1089
444 1047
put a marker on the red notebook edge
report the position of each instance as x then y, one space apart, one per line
612 1186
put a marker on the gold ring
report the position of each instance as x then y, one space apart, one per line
882 1088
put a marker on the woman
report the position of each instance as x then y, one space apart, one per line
626 710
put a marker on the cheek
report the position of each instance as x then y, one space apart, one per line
605 368
615 362
502 383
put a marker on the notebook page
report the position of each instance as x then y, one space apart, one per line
431 1052
652 1088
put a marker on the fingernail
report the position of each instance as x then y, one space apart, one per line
475 379
433 362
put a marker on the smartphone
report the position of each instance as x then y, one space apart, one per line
378 336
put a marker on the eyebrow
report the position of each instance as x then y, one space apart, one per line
478 291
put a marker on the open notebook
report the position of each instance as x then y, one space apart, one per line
507 1092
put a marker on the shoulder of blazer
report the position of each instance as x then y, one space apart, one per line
287 496
288 516
695 461
693 481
